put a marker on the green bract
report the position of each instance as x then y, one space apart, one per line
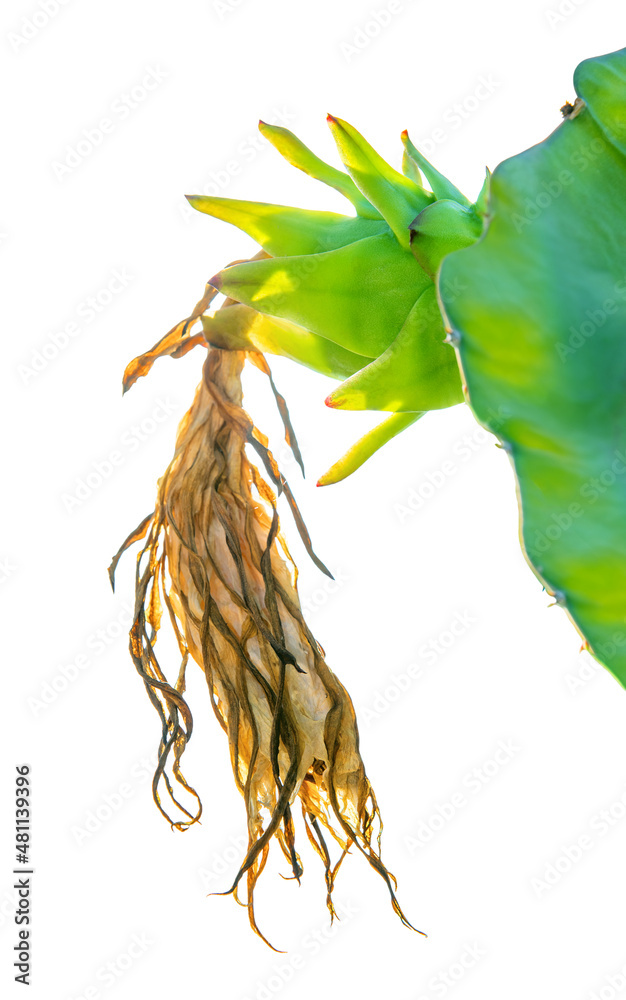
541 328
352 297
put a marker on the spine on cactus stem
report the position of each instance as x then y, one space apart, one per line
215 560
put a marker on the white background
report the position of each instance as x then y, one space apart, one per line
496 929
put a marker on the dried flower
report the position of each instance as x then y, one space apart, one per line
215 558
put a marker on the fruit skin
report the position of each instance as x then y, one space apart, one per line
540 333
351 296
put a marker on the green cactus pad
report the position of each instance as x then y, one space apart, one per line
541 337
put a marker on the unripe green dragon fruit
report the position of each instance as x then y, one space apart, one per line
351 296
